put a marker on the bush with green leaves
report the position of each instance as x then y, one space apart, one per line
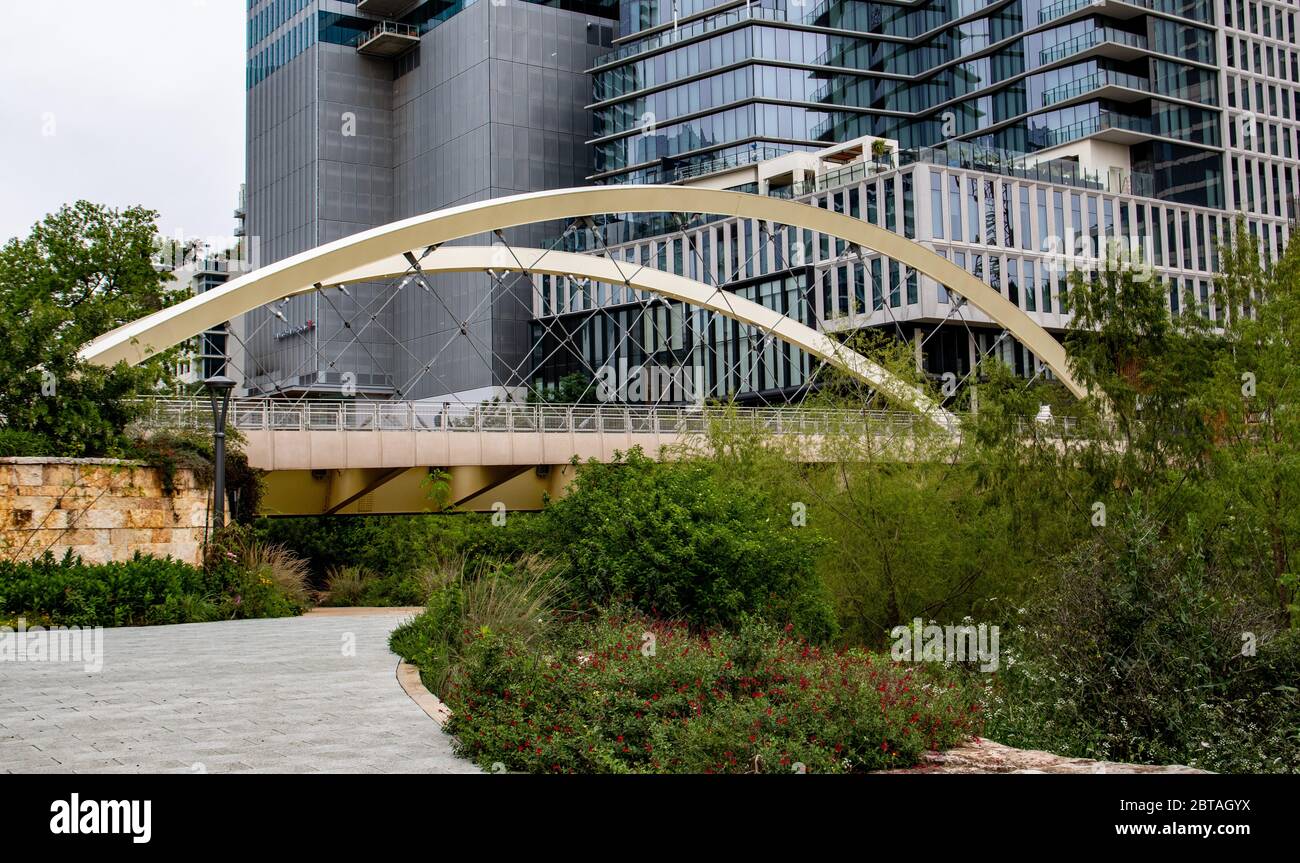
16 442
396 550
677 541
142 591
256 578
463 604
240 579
1144 647
627 694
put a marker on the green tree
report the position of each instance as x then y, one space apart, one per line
82 271
573 388
1146 370
1255 410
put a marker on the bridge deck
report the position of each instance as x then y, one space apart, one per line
340 435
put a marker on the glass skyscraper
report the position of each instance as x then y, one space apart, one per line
696 81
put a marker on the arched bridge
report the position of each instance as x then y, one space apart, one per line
338 457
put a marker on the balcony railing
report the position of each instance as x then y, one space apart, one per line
388 39
714 166
1091 39
686 32
1092 125
989 160
1095 81
835 179
1063 7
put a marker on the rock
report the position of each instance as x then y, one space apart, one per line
986 756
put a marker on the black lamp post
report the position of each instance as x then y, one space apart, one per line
219 387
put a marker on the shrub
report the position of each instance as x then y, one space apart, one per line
1137 651
674 541
140 592
606 697
241 578
272 581
514 602
396 548
15 442
346 585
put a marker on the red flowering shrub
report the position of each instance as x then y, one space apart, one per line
635 696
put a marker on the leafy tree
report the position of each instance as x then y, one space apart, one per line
573 388
1146 369
82 271
1254 405
1138 648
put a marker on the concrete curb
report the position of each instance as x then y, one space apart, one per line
408 676
360 610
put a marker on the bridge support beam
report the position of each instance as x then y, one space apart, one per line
409 491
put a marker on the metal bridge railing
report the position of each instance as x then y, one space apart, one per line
339 416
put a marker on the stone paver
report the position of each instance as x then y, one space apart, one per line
260 696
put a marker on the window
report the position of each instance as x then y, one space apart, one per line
1024 217
936 206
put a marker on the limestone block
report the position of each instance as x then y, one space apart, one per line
81 536
57 519
26 474
96 517
98 554
132 538
142 518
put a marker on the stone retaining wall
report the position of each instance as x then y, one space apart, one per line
101 509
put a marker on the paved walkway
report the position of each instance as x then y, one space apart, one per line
250 696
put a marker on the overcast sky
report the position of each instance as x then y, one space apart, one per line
123 102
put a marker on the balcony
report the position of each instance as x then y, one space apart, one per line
384 8
1116 86
1122 10
693 30
1109 41
1063 7
1108 126
835 179
695 170
388 39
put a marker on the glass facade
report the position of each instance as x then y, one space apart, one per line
689 81
280 30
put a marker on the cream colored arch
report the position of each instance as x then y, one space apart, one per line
457 259
138 340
